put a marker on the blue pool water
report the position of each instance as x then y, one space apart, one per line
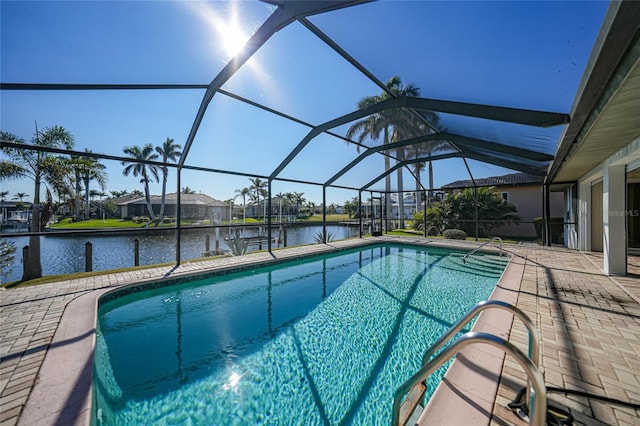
321 341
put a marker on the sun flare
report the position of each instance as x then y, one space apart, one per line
233 38
226 34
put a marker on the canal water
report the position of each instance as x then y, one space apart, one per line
65 254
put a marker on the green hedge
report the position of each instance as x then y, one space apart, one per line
454 234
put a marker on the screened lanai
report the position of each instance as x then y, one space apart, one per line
333 100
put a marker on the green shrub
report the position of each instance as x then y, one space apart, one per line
454 234
7 250
318 237
432 231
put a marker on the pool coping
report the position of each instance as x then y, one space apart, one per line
63 392
469 388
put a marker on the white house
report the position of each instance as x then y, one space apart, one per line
597 162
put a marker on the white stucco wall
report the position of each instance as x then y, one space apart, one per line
612 172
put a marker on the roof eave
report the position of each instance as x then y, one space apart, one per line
617 35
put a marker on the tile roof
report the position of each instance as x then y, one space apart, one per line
185 199
510 179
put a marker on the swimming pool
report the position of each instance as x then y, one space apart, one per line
325 340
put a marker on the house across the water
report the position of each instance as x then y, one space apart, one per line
193 207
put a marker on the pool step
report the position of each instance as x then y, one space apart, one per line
411 407
484 260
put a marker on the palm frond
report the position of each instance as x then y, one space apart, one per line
10 170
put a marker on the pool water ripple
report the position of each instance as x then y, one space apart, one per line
338 362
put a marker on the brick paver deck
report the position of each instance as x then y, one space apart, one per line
589 323
590 329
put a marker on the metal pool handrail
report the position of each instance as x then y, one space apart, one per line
534 339
533 348
482 245
538 397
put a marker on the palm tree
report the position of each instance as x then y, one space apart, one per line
417 169
60 181
64 195
117 194
282 199
140 168
404 125
76 166
254 199
168 151
419 128
3 195
187 190
229 202
312 207
258 187
297 198
40 166
8 169
20 196
394 125
289 197
382 123
91 169
243 193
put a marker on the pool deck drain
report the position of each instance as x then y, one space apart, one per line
589 325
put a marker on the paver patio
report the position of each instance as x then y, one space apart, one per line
589 324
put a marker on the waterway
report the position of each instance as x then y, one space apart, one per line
65 254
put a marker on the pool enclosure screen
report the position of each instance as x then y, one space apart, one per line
274 108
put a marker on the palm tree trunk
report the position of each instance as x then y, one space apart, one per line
400 188
416 171
264 211
165 172
147 196
87 209
33 265
78 190
430 181
387 179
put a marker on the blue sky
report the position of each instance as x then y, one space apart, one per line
517 54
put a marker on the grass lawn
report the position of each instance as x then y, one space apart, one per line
96 224
119 223
330 218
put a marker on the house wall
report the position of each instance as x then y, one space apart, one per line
528 201
189 211
596 216
614 234
134 210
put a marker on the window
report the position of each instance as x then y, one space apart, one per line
505 196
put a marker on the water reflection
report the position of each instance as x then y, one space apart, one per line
200 327
65 254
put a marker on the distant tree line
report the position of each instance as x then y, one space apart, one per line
70 177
